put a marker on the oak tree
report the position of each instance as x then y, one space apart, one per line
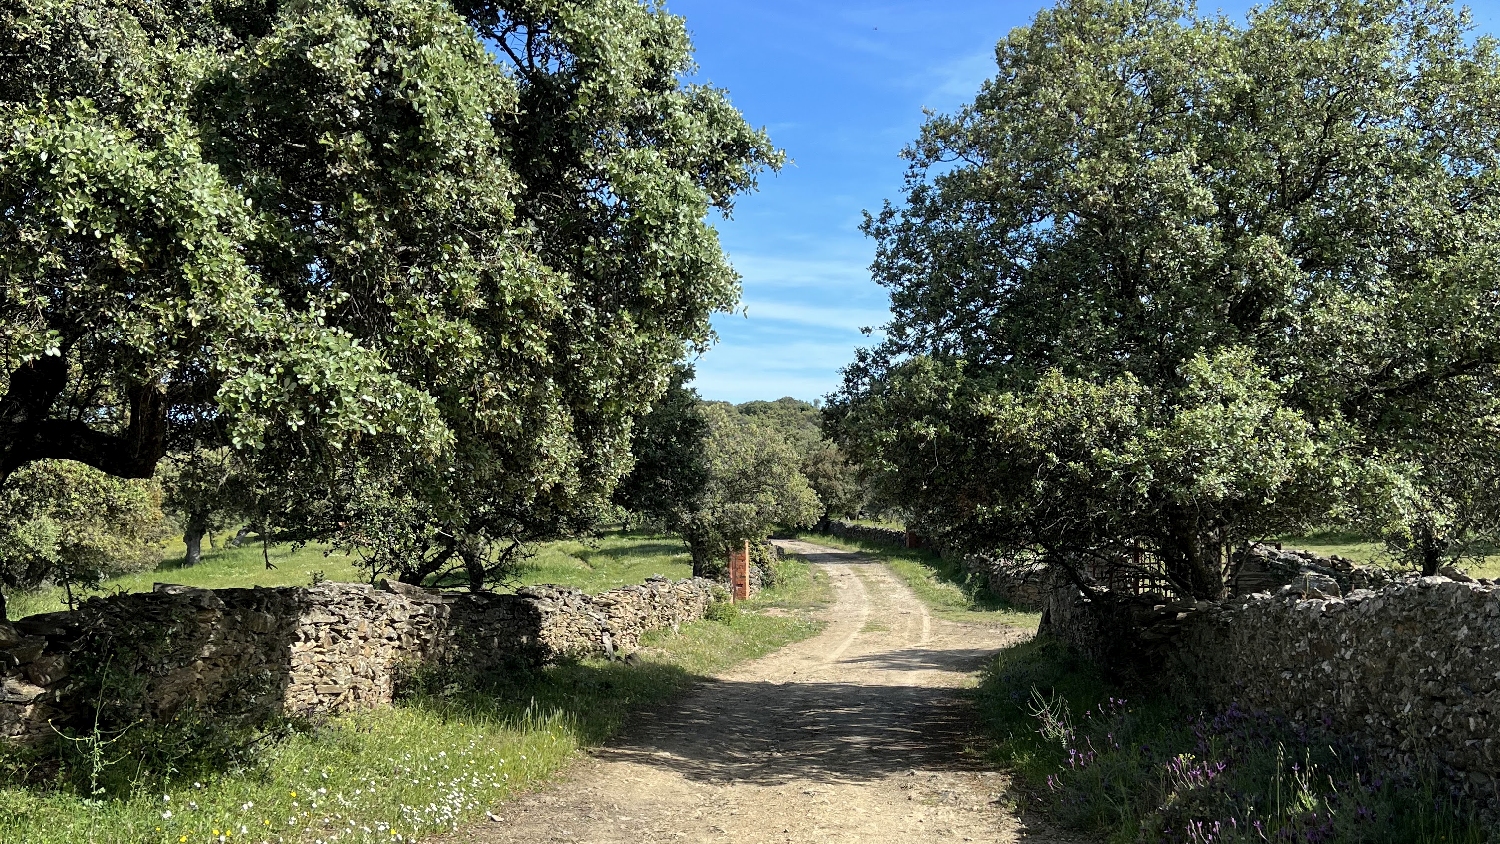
1170 282
422 263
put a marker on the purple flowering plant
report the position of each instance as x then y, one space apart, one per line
1146 769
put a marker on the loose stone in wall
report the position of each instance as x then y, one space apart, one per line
1411 671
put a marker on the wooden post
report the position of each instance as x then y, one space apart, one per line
739 572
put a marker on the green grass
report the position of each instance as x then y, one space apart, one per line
943 585
226 568
608 562
456 747
1125 770
593 565
1361 549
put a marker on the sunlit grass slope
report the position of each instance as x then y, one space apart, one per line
593 565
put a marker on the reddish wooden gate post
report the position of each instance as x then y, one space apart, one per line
739 571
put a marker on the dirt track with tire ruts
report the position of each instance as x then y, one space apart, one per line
854 735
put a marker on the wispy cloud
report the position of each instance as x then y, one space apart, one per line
776 271
956 82
848 319
803 369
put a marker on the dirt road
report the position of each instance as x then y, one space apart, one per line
855 735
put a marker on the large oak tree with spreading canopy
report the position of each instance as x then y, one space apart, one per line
422 262
1171 282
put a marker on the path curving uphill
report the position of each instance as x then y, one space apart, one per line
855 735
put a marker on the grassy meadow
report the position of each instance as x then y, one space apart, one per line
1362 550
593 565
453 748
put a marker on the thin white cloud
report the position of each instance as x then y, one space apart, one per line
772 271
957 81
849 319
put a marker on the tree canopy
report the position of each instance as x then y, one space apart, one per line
671 462
423 262
754 484
1170 282
64 523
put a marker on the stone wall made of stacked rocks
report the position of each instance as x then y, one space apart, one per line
1411 671
254 653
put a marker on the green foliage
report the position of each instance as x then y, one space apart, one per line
422 287
671 467
207 492
799 422
835 480
1211 281
754 484
64 523
1133 770
724 612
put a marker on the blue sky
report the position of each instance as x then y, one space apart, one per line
840 85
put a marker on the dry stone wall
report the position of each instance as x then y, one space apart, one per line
1411 671
326 648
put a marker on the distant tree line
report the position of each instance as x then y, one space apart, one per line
718 474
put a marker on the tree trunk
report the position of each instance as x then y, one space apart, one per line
474 565
239 537
1189 564
3 616
1427 547
709 559
192 536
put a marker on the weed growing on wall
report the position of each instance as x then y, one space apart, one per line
1154 771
